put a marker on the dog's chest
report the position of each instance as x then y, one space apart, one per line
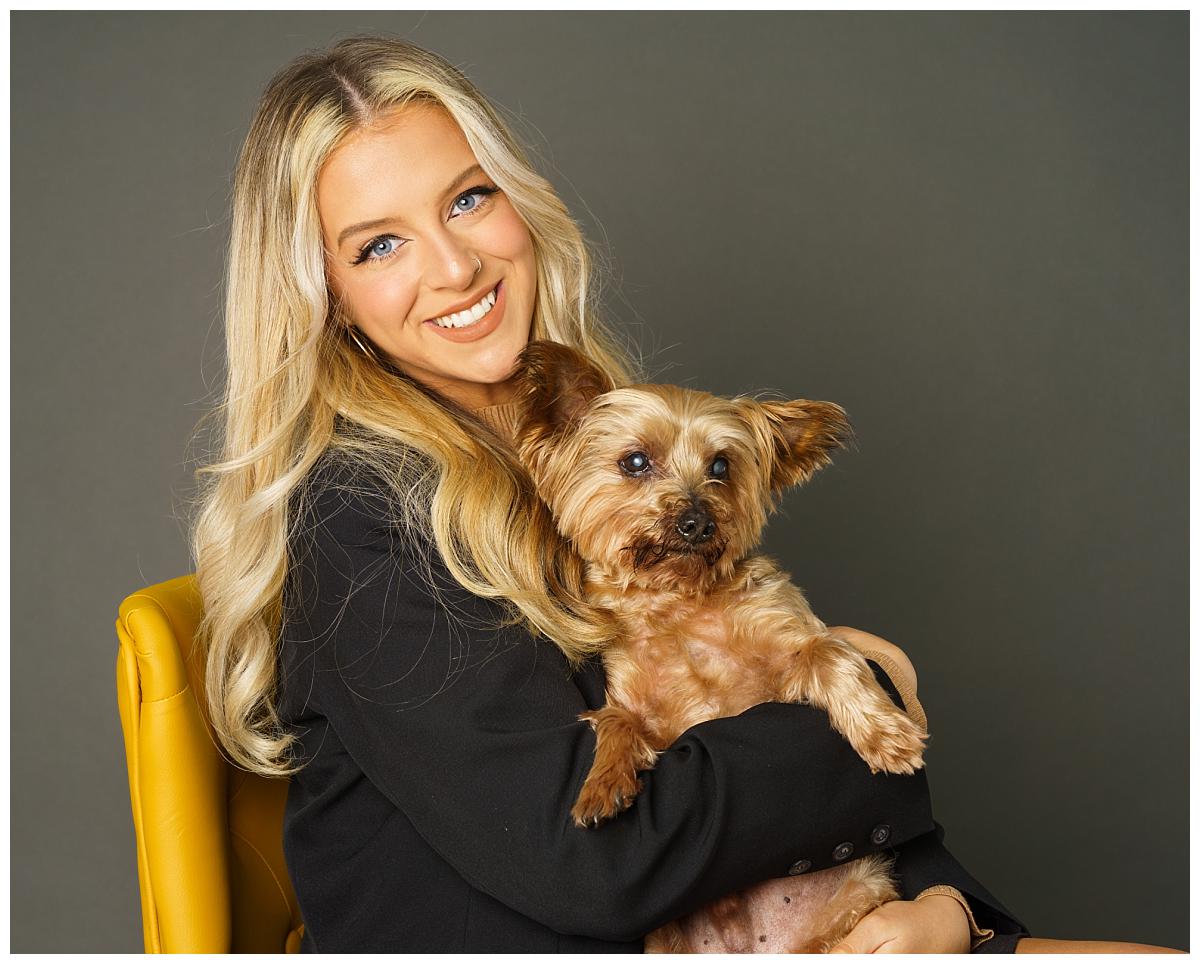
679 667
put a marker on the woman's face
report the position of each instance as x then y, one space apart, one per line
405 213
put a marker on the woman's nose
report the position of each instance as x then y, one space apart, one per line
449 264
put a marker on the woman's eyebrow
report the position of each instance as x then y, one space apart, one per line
379 222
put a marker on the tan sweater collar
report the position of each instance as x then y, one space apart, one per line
502 418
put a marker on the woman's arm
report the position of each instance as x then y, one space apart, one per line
1050 945
473 733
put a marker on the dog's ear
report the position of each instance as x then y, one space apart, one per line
555 384
801 436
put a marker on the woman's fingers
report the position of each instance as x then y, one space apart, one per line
867 936
936 924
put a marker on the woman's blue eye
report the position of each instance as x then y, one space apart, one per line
371 251
379 247
467 197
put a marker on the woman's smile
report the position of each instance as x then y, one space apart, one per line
462 327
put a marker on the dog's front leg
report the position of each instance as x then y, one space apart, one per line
834 676
621 750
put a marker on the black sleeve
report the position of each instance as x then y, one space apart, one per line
472 732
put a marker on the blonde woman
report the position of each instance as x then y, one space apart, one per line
390 618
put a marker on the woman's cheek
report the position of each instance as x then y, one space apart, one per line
396 299
511 239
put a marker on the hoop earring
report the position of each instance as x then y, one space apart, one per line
361 347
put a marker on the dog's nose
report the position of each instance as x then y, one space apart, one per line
696 526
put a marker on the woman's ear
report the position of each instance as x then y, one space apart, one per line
800 435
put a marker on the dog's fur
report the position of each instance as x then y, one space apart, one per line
708 628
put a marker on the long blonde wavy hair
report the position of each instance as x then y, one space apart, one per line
297 388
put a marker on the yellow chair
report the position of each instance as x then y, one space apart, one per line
209 835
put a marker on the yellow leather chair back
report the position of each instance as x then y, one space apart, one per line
209 835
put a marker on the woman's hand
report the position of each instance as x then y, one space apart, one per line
936 924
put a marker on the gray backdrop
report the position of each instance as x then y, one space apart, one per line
969 229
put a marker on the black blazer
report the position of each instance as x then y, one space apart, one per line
443 755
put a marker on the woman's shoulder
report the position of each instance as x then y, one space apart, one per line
345 501
357 457
336 484
338 470
379 469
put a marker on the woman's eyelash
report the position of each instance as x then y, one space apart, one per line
364 253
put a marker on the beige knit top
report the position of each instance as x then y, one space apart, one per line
503 417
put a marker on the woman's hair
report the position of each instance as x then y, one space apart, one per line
297 389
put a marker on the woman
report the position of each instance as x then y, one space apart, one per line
390 617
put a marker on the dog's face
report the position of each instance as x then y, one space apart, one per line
658 486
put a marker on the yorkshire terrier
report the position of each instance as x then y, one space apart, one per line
664 492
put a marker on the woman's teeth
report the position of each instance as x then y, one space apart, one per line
463 319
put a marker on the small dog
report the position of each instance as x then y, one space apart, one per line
664 492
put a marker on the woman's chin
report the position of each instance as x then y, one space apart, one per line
498 369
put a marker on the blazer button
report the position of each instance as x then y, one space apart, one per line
843 851
880 834
799 867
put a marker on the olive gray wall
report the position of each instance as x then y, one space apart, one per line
969 229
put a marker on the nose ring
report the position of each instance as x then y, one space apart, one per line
478 265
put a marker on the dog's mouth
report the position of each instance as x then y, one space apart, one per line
649 554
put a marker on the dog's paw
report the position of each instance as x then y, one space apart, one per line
894 745
604 796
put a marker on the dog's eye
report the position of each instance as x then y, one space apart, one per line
719 468
635 463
